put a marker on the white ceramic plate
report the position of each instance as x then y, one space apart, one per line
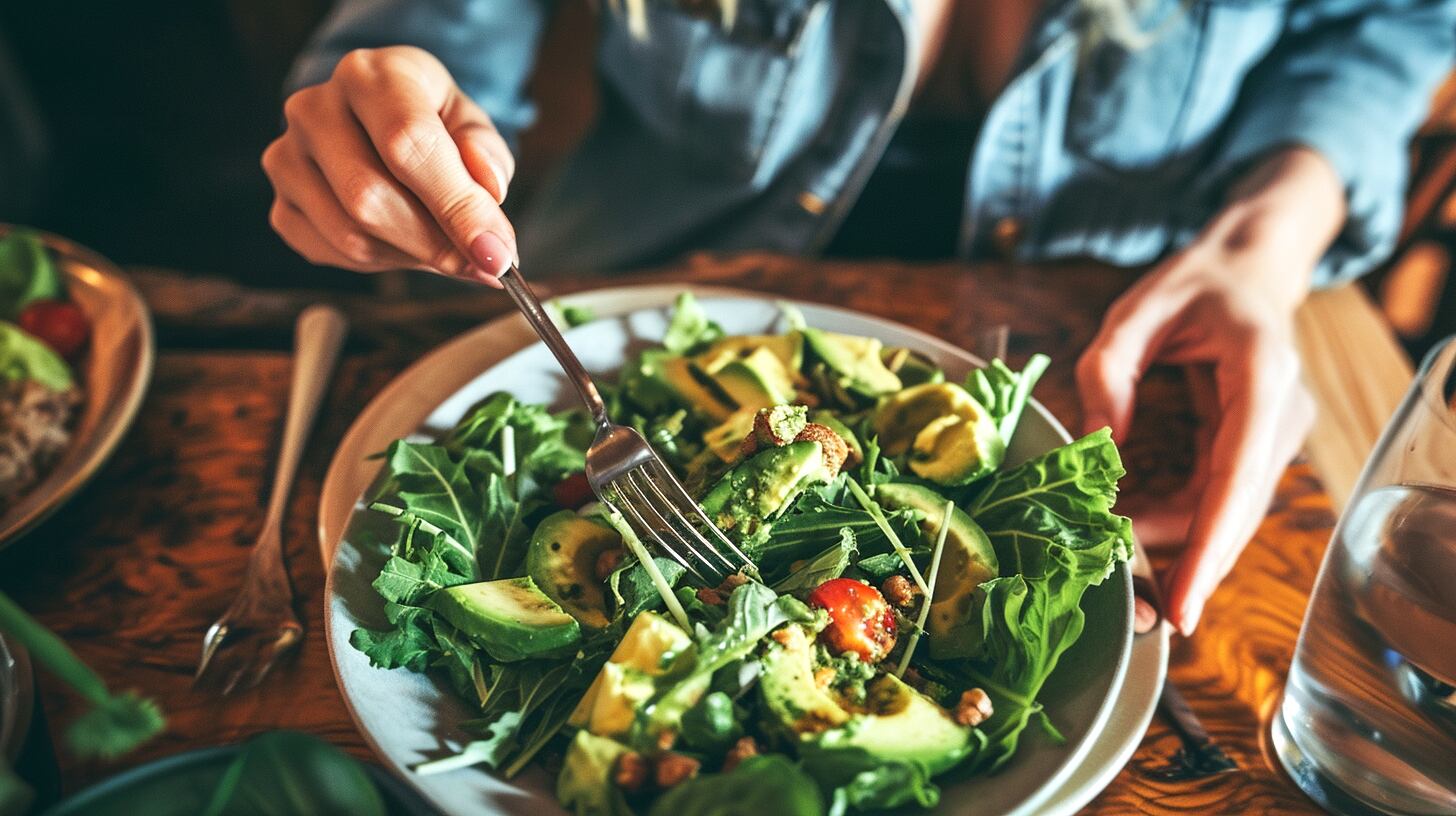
409 718
113 373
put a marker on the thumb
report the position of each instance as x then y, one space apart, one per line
1109 370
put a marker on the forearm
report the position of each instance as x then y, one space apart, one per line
1283 213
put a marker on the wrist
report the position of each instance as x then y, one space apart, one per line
1278 221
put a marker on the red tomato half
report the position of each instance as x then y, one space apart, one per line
573 491
59 324
860 619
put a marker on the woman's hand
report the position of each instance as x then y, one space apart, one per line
388 165
1223 308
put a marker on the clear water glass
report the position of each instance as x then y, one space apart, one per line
1368 720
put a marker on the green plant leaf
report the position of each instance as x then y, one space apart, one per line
27 273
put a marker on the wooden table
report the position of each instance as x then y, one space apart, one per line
133 570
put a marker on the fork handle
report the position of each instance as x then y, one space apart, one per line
318 338
545 327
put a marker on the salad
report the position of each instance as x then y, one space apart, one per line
40 330
913 591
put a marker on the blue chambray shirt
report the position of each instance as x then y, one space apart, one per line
762 137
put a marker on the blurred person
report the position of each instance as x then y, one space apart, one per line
1248 150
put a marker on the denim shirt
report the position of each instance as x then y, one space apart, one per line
761 137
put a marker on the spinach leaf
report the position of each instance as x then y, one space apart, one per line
712 724
690 328
760 785
857 781
1004 393
27 273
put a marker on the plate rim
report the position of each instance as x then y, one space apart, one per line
111 432
330 536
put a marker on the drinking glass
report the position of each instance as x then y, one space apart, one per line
1368 720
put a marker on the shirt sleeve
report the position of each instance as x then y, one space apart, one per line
1352 80
489 46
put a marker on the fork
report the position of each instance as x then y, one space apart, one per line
628 476
261 626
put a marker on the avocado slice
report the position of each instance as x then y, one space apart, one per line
832 422
759 488
967 561
789 692
511 619
855 362
789 348
659 379
901 725
725 438
562 560
951 439
585 784
757 380
912 367
628 677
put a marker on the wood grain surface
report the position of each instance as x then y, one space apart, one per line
133 570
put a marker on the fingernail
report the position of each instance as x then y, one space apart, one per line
1188 621
500 180
476 273
490 254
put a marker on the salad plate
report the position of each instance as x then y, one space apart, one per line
111 374
411 718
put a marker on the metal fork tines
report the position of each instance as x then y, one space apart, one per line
260 625
642 494
625 473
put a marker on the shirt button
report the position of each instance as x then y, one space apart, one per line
1006 235
811 204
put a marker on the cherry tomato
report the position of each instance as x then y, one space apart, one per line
860 619
572 492
59 324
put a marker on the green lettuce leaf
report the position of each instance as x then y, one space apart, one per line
25 357
27 273
1055 534
1004 393
690 328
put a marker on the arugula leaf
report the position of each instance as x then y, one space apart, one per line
410 582
690 327
543 452
814 524
761 784
1004 393
826 565
754 610
632 586
27 273
408 644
